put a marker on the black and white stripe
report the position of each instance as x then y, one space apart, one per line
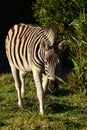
24 39
30 48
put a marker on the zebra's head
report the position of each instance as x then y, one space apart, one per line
51 62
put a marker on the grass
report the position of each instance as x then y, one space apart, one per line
65 111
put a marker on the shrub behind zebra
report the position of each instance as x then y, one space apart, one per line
30 48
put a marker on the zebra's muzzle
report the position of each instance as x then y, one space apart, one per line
52 86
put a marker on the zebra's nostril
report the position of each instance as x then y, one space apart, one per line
52 86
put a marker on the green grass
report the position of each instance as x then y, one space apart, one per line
65 111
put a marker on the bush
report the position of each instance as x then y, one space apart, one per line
78 46
69 18
59 13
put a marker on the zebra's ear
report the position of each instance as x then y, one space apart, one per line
44 45
62 45
51 33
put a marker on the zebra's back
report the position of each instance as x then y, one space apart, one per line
22 46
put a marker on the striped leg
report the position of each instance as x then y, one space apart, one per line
40 93
45 81
15 73
22 78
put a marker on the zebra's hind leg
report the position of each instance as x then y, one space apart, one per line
16 76
22 78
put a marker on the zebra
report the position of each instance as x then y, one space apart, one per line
31 48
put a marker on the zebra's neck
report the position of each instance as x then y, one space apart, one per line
38 56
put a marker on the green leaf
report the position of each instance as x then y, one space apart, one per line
81 75
85 68
60 79
76 67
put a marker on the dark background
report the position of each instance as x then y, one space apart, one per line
12 12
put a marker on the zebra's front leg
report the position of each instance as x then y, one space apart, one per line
44 82
40 93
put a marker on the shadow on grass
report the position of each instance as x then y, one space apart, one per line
51 107
2 123
67 111
61 92
73 124
59 108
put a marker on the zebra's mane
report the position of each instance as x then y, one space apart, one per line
51 33
52 57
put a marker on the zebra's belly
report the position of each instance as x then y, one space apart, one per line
22 66
26 67
25 64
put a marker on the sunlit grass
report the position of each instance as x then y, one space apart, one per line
65 111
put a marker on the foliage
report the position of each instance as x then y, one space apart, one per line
78 45
70 20
59 13
66 111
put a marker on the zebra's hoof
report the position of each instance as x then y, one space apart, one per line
20 105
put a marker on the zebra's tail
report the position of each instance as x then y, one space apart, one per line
6 46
